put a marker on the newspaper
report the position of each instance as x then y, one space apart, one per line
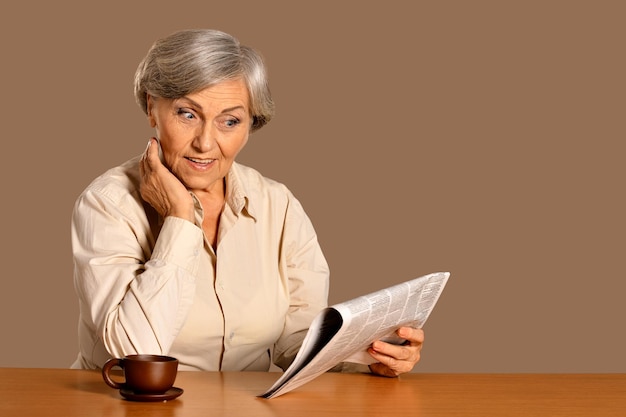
344 331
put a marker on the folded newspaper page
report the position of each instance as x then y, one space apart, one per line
343 332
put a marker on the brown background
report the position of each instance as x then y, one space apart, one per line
484 138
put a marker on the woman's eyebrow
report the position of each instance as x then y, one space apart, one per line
190 101
226 110
229 109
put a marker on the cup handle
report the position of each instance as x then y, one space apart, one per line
107 368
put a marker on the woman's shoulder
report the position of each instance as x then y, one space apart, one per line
253 180
117 183
264 196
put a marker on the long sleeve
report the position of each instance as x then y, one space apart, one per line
153 286
134 298
308 281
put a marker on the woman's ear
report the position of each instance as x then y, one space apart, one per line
149 105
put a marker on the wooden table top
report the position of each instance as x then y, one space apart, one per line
64 392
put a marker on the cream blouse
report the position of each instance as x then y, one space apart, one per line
152 285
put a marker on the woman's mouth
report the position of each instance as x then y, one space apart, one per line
200 162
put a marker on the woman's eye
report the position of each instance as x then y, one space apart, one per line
186 114
231 122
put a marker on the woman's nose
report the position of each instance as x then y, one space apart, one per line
205 139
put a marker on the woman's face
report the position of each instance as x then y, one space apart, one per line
202 133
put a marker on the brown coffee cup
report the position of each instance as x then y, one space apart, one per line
143 374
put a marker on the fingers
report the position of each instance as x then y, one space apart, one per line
394 359
144 164
160 188
412 335
151 154
381 369
152 188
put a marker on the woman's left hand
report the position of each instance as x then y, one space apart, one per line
394 360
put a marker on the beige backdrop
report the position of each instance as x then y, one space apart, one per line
484 138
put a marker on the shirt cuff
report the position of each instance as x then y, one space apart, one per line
180 243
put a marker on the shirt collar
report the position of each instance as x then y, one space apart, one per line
237 194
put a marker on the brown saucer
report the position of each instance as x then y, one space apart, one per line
170 394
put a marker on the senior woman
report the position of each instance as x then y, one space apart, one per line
183 251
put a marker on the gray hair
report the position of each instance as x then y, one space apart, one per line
188 61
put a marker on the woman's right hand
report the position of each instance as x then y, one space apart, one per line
161 189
